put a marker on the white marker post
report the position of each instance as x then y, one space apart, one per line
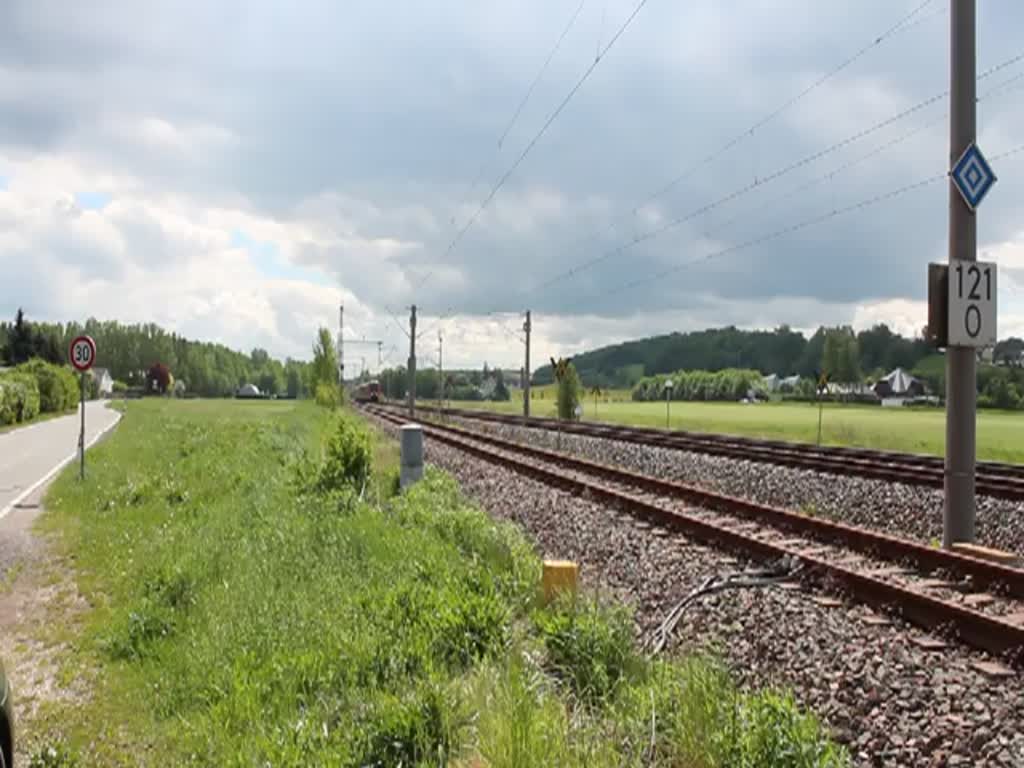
83 355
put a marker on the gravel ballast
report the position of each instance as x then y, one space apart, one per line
891 702
911 511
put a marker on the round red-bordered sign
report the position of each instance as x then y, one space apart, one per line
82 353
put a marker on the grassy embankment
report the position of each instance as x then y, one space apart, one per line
1000 433
246 608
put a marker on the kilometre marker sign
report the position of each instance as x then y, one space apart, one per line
972 303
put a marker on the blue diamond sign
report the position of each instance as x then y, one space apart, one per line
973 176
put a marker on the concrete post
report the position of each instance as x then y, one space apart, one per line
527 327
412 454
961 382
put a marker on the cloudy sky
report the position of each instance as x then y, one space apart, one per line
234 170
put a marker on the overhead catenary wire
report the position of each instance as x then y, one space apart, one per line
394 319
711 157
770 178
901 25
519 108
792 228
885 146
543 129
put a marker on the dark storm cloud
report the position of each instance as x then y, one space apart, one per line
398 104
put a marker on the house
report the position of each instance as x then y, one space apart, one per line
898 385
248 390
790 383
770 382
104 381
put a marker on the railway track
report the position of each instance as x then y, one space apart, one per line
977 601
996 479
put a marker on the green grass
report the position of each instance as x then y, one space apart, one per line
248 609
1000 433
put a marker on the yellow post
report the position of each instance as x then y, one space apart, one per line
559 576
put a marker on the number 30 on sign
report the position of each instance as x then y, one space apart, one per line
972 303
82 353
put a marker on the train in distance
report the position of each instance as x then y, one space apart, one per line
368 392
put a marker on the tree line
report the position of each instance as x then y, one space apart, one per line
851 356
782 351
483 384
129 351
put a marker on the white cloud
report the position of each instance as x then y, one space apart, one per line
258 177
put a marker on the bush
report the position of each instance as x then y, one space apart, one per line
57 755
589 646
347 458
58 389
327 395
19 398
570 390
726 385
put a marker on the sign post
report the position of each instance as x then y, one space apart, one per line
971 178
668 394
821 390
83 356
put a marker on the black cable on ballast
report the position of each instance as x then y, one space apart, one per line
783 570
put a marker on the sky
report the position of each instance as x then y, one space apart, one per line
235 171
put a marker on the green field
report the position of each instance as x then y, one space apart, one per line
251 597
1000 433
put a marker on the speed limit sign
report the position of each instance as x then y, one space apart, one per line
83 353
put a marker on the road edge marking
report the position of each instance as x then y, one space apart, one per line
63 463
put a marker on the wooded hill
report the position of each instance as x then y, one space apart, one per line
781 351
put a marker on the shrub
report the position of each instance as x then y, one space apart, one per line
588 645
726 385
347 458
58 389
57 755
570 390
158 378
19 398
327 395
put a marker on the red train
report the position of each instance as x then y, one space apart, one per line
367 393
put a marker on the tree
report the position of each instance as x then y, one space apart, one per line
19 344
1009 352
570 391
270 382
293 374
325 368
840 357
158 378
500 390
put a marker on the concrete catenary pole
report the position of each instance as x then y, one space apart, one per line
527 327
341 345
961 385
412 362
440 372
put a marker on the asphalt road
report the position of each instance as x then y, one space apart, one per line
33 454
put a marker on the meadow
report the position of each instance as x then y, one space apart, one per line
257 592
914 430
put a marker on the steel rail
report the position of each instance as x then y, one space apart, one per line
995 479
988 632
